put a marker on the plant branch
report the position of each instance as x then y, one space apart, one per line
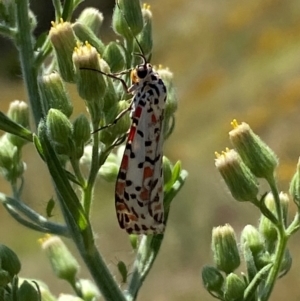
26 54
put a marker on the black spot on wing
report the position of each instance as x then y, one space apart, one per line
153 77
148 159
135 121
128 183
122 175
133 196
126 196
154 87
140 133
136 228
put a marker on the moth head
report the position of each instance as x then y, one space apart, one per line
140 72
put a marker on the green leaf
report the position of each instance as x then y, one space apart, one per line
8 125
170 194
50 207
38 146
71 207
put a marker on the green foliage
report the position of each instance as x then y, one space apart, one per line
264 248
73 53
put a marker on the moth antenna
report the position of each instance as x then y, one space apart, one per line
109 75
143 58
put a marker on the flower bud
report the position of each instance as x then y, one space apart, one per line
32 20
46 294
237 176
260 159
9 261
127 18
266 227
91 85
11 165
81 133
212 279
110 169
234 288
253 242
295 186
64 265
167 169
19 112
63 40
253 238
122 268
111 133
60 132
92 18
54 94
28 292
171 102
8 12
84 33
65 297
286 263
4 278
115 57
225 249
89 290
284 203
86 158
134 241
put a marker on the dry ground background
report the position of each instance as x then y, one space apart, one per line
231 59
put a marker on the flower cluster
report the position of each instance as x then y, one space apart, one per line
263 248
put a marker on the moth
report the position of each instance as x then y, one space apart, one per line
139 186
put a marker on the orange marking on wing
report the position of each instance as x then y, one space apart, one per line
120 187
132 217
148 172
132 133
121 207
145 195
138 111
153 118
157 207
124 163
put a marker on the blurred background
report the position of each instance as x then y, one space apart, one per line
231 59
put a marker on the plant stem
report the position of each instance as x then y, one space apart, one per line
26 54
282 241
281 244
93 172
78 223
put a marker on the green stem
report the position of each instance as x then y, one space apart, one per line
102 276
58 9
146 255
274 190
88 191
79 224
281 243
270 282
77 171
294 226
26 53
